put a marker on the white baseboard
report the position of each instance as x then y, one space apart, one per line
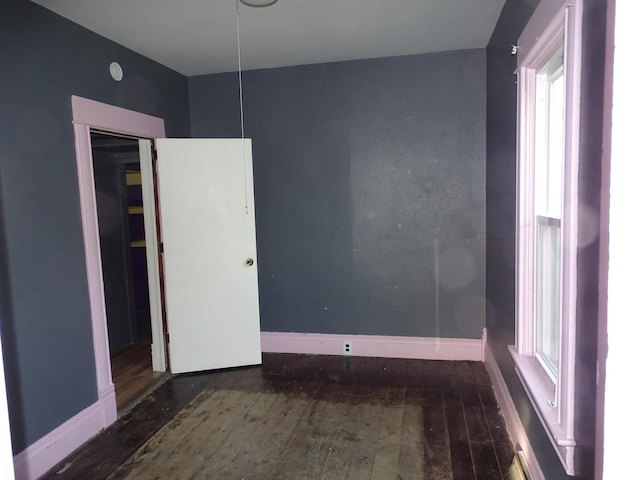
375 346
511 418
39 457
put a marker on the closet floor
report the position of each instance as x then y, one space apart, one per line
132 374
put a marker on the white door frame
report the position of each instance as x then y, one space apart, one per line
87 115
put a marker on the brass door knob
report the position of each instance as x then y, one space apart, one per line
249 262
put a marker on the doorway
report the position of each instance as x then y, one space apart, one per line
88 115
120 211
225 283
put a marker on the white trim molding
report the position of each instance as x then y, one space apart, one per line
511 417
39 457
556 24
158 347
88 114
425 348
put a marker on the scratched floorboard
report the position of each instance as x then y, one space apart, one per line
307 417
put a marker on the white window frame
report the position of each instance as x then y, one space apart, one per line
555 23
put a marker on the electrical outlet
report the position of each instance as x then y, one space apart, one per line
346 347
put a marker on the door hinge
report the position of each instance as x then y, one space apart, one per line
154 157
166 336
161 247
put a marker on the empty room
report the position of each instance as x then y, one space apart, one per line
310 239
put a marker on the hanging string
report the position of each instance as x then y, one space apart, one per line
244 147
239 67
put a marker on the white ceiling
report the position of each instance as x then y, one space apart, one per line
199 36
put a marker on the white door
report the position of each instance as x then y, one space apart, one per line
205 191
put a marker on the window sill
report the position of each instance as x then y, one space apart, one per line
541 392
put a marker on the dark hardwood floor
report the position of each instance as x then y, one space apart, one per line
337 418
133 374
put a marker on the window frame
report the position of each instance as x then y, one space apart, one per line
554 24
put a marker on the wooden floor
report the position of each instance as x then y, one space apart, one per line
308 417
132 374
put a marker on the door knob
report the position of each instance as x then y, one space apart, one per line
249 262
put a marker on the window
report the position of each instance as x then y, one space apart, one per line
548 111
548 206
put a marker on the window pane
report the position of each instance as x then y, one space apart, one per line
549 134
547 295
549 167
555 152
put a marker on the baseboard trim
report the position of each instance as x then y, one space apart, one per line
424 348
511 418
42 455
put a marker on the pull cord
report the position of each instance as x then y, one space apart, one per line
244 147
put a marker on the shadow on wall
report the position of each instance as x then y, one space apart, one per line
9 341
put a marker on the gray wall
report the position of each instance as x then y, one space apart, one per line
501 214
363 171
46 324
590 193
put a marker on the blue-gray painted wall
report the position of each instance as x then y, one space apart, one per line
501 216
368 174
46 324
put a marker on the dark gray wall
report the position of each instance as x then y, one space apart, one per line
46 324
589 194
367 174
501 214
